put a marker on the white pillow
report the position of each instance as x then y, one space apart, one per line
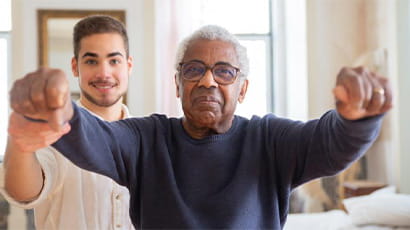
385 190
383 207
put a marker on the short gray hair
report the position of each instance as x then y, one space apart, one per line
213 32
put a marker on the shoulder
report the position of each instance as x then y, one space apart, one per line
272 121
152 123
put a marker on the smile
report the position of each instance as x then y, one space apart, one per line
103 85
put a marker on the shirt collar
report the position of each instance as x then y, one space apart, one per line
124 108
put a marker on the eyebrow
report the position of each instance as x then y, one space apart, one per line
217 63
90 54
115 54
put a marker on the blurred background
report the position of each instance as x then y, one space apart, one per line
296 48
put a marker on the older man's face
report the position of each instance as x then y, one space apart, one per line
208 105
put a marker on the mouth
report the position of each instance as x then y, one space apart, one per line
206 100
103 85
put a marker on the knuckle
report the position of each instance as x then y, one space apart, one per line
384 80
15 106
16 86
29 77
361 70
344 69
42 69
53 91
353 79
25 103
58 73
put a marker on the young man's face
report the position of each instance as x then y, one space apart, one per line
102 68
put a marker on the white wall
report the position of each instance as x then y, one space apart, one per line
404 92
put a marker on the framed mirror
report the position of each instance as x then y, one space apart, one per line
55 39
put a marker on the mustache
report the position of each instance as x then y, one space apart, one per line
212 94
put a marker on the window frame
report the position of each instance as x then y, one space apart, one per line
6 35
268 40
271 44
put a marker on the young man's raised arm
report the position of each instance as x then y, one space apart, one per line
23 177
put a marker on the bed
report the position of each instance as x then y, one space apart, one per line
381 210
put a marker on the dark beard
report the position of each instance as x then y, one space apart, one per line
102 103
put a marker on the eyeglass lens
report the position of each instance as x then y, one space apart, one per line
223 73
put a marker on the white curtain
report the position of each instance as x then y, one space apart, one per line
175 19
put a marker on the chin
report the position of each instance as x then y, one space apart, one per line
103 102
206 119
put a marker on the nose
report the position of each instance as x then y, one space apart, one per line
103 70
208 80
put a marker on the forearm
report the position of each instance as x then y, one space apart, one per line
332 144
23 174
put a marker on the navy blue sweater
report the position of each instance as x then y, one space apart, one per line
241 179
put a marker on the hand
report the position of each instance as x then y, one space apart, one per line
360 93
43 95
27 137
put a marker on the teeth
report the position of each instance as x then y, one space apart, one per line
102 87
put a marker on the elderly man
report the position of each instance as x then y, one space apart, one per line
210 168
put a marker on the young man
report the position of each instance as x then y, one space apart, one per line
64 196
210 169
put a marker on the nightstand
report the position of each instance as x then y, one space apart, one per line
360 187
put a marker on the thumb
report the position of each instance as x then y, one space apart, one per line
56 120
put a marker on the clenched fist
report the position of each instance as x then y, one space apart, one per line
43 96
361 93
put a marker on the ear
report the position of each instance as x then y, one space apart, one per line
177 85
244 89
74 67
130 65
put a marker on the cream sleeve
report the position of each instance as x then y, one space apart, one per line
54 170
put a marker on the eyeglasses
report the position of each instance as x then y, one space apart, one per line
223 73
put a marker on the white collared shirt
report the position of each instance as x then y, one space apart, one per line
73 198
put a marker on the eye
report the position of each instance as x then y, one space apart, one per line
193 69
115 61
90 62
225 71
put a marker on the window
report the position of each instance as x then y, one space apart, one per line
5 27
251 22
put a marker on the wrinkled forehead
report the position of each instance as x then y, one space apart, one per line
211 52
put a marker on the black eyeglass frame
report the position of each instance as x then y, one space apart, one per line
212 71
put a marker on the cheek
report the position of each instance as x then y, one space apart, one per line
184 90
82 79
228 93
85 74
231 95
184 94
122 76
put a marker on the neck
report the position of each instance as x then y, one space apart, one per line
109 113
202 131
